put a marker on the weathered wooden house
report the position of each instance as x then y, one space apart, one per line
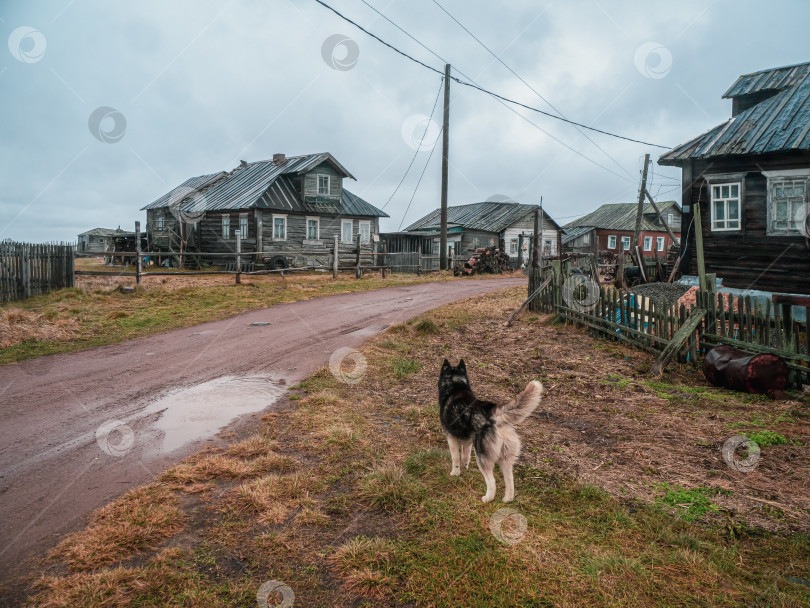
285 208
476 225
612 226
749 179
100 240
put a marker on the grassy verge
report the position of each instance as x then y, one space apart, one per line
346 497
97 314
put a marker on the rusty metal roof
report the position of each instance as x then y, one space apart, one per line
266 185
622 216
487 216
780 123
775 79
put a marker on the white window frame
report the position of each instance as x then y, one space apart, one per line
317 221
660 242
670 219
793 175
716 196
226 227
283 217
611 244
318 184
626 243
513 246
360 227
343 224
161 225
648 243
243 226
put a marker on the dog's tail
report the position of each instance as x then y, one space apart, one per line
519 408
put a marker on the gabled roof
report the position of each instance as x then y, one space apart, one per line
575 232
104 232
780 123
622 216
263 184
487 216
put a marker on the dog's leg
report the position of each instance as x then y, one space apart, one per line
466 453
454 455
487 470
508 480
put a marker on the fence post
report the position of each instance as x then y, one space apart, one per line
335 258
26 272
358 272
384 257
138 266
419 260
238 256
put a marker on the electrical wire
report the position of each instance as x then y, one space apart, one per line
483 90
418 182
416 152
519 77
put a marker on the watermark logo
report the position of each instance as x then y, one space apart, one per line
508 526
653 60
420 132
187 204
107 125
732 457
27 44
340 52
115 438
348 365
277 592
580 293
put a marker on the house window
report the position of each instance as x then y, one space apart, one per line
279 227
726 207
513 246
586 238
787 204
612 241
547 247
323 185
313 228
243 226
476 243
160 223
226 227
670 219
365 232
346 231
660 243
626 243
647 243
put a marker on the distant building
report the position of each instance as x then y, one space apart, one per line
477 225
100 240
750 178
612 227
287 208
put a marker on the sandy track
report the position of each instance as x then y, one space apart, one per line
53 470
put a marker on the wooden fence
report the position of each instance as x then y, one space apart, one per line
650 324
28 269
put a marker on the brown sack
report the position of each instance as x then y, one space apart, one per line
731 368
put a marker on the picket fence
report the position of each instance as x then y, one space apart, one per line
28 269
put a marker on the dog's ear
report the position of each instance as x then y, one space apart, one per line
461 368
446 365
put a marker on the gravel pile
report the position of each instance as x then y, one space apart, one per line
668 292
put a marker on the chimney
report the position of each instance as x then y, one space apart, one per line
279 159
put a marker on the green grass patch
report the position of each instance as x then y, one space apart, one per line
693 502
765 438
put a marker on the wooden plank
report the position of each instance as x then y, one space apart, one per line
780 298
677 342
699 247
531 297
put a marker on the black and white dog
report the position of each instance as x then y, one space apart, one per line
469 422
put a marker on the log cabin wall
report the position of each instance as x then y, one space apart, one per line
748 258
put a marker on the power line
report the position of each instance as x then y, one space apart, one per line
510 108
404 215
483 90
519 77
416 152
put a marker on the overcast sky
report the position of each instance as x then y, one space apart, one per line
193 87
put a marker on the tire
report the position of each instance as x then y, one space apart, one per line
279 262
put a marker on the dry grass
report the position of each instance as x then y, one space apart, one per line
273 497
137 521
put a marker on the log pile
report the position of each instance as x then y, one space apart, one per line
489 260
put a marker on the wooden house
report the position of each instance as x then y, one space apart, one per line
476 225
749 179
288 209
612 226
100 240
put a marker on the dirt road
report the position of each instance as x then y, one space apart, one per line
80 429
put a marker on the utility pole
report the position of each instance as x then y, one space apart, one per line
540 236
445 156
641 194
